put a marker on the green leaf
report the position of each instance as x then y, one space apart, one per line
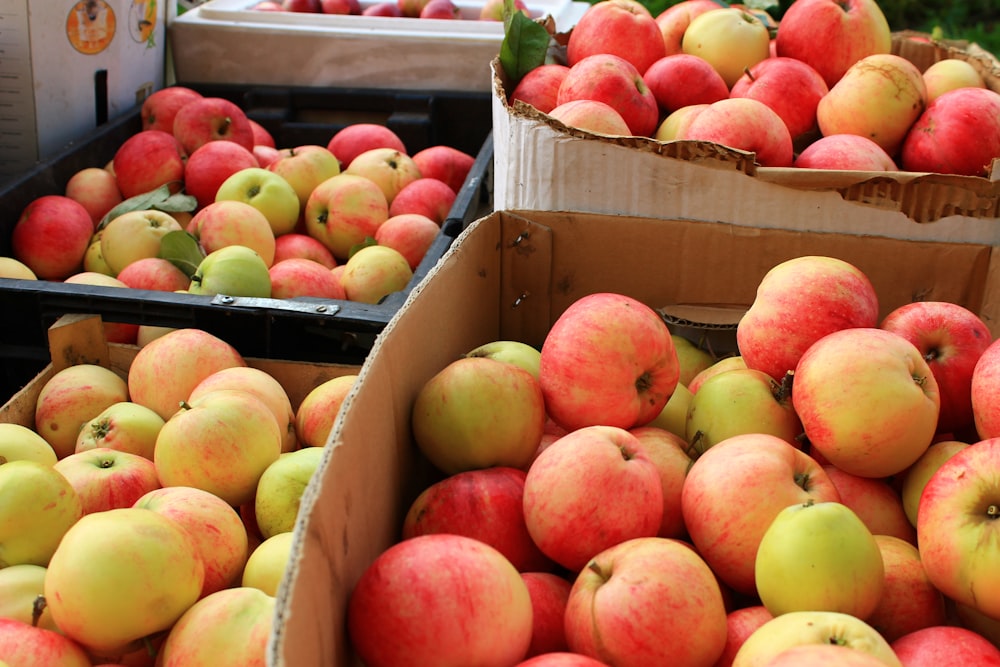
179 202
182 250
364 244
525 43
159 199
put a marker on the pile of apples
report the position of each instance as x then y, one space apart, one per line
820 90
201 200
147 518
490 10
825 496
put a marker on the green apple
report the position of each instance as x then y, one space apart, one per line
124 426
477 412
134 235
692 358
916 476
267 563
720 366
221 443
673 416
20 587
218 532
512 352
267 192
235 623
741 400
797 628
374 272
107 598
280 489
233 270
37 506
70 398
20 443
819 557
319 409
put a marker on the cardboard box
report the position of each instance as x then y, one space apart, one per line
509 276
227 41
644 177
67 66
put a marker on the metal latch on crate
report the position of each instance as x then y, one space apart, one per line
293 305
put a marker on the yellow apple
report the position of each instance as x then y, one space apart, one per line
914 478
20 586
673 417
135 235
12 268
267 563
731 39
315 415
18 443
949 74
37 506
280 489
125 426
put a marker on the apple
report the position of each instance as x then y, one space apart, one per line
539 87
741 401
440 9
261 135
212 119
96 188
389 168
914 478
720 366
611 79
356 138
147 160
280 489
675 19
442 599
832 35
160 107
114 332
265 154
305 167
823 655
167 368
985 383
730 39
269 6
948 74
957 134
485 504
410 234
386 8
671 456
134 235
70 398
909 600
734 490
478 412
429 197
20 587
673 416
845 151
608 359
446 163
154 273
105 478
676 123
798 628
221 442
492 10
266 565
836 293
951 339
19 443
266 191
560 659
411 8
790 87
592 116
12 268
154 570
231 222
315 415
623 28
972 619
24 645
692 357
945 645
681 79
234 270
955 527
302 6
350 7
647 601
740 624
304 246
549 595
124 426
300 277
343 211
745 124
211 164
51 236
875 501
884 419
38 506
512 352
880 97
374 272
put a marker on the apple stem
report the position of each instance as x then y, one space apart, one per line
693 449
37 607
783 390
746 70
802 480
920 380
184 405
993 512
3 459
596 569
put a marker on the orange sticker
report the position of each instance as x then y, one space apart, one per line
142 21
90 26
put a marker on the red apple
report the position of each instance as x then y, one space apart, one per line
745 124
298 277
592 116
845 151
681 79
832 35
261 135
212 119
158 110
959 133
549 596
540 86
211 164
154 273
106 478
24 644
302 245
445 163
671 455
356 138
611 79
350 7
97 189
740 624
412 234
876 503
265 154
985 388
388 8
440 9
147 160
790 87
51 236
429 197
945 645
909 600
624 28
674 20
302 6
560 659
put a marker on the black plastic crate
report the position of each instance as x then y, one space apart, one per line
335 331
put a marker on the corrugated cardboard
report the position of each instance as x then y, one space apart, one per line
226 41
509 276
540 164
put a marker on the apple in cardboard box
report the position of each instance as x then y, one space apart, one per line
280 489
681 79
948 74
230 222
733 492
154 273
790 87
97 189
343 211
51 236
730 39
410 234
106 478
29 646
429 197
267 563
356 138
19 442
539 87
299 277
212 119
211 164
675 19
914 479
909 600
148 160
623 28
875 501
671 456
958 134
746 124
832 35
316 413
159 109
440 599
845 151
70 398
611 79
675 125
592 116
647 601
38 506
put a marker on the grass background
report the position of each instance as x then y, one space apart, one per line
973 20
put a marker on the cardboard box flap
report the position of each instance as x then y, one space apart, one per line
923 51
